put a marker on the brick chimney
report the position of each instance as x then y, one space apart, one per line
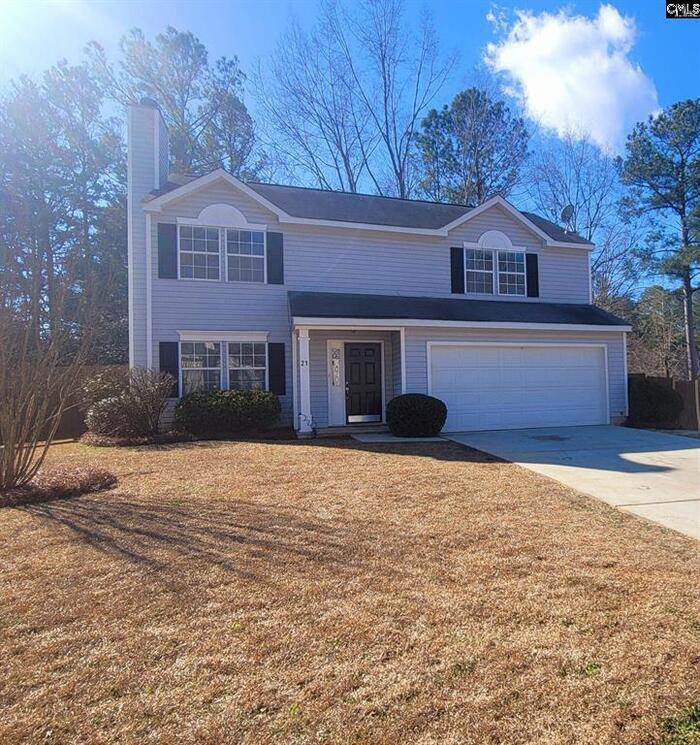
147 169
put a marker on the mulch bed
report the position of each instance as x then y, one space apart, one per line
169 438
59 483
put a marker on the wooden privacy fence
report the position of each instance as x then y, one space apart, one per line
689 391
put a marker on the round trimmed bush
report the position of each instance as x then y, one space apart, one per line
415 415
227 412
653 404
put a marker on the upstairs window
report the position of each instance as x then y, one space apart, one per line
200 362
491 271
245 255
479 264
511 273
247 365
199 252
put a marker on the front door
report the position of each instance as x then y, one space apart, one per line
363 382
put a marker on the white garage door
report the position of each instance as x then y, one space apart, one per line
515 387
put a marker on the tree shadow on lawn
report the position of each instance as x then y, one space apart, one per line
446 450
252 541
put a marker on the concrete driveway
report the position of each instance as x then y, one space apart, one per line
651 474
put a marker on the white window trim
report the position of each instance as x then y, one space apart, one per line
498 271
223 338
223 335
264 256
267 362
198 225
182 369
495 272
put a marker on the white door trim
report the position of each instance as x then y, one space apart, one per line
329 373
604 347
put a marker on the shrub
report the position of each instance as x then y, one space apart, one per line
416 415
134 409
114 416
227 412
112 381
653 404
59 483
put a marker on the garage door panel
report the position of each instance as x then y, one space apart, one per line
502 387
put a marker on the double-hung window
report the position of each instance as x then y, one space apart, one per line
247 365
511 273
245 255
479 265
200 362
199 252
491 271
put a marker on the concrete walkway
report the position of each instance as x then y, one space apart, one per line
651 474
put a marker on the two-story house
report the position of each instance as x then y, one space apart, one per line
338 302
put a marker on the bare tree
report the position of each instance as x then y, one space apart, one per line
309 109
574 171
345 100
395 78
39 377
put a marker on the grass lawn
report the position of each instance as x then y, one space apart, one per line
339 593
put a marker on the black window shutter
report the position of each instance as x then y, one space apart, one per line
275 259
533 277
457 269
276 369
167 250
170 363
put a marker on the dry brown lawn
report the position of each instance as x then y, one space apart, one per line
337 593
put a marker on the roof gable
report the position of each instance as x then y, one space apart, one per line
158 200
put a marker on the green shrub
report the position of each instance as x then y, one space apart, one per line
653 404
416 415
227 412
135 407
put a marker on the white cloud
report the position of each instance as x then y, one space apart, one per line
573 74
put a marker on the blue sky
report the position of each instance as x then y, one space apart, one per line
654 61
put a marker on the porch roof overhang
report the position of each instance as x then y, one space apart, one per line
338 310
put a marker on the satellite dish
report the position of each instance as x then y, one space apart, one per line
567 213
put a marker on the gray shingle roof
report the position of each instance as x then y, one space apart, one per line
346 305
337 205
321 204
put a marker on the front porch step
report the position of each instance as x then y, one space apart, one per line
351 429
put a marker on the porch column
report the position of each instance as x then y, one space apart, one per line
305 420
